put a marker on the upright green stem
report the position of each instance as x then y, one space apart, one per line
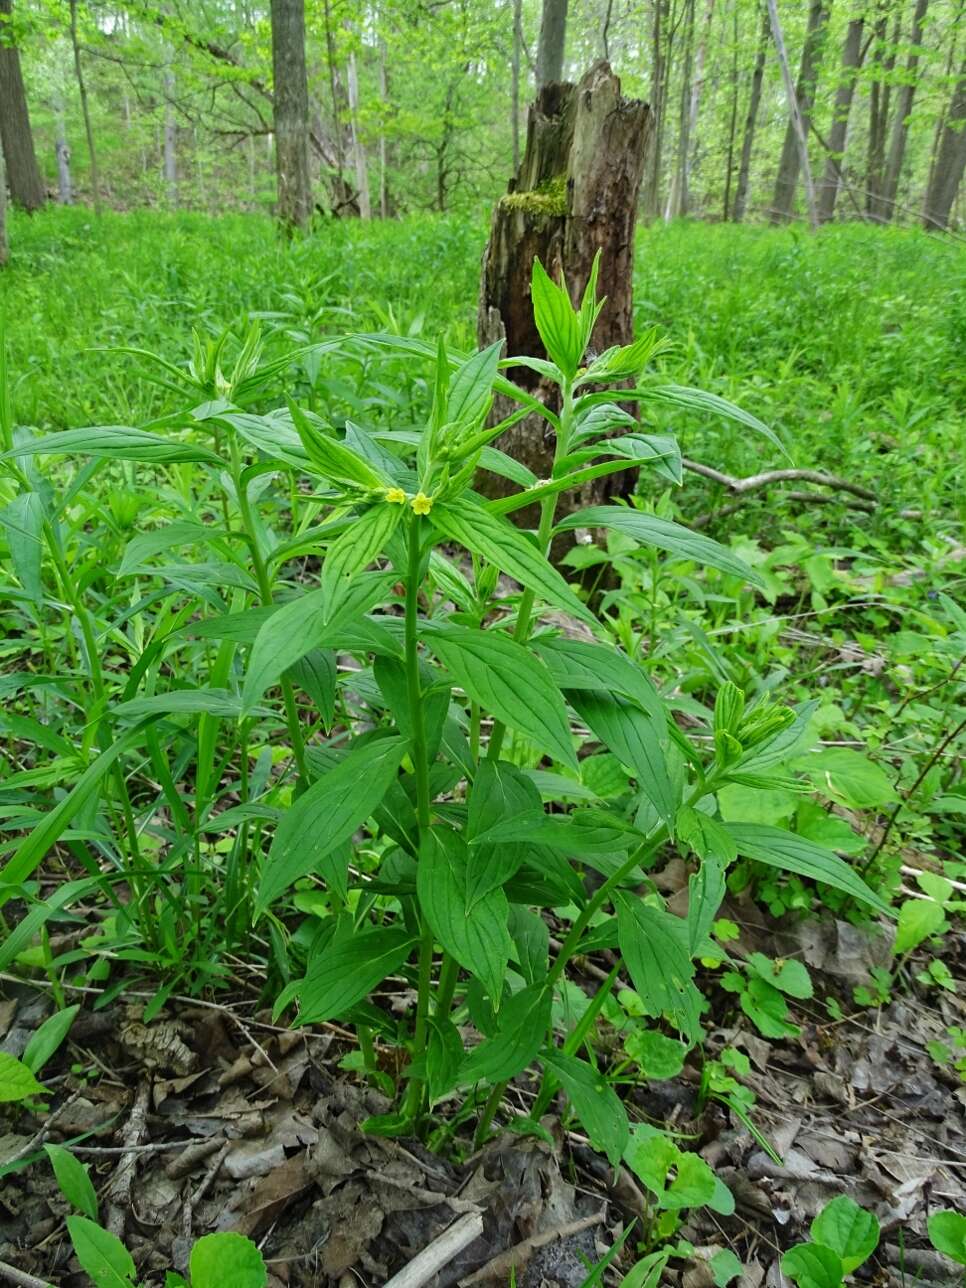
420 759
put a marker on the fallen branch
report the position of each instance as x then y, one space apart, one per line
119 1190
754 481
439 1253
500 1267
20 1277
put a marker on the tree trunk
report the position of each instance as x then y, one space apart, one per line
900 127
751 120
383 166
851 61
85 108
574 194
732 118
801 97
950 161
675 196
294 198
170 142
65 189
553 41
4 252
515 80
879 97
697 86
23 173
655 159
358 151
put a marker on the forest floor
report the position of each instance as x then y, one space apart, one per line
211 1117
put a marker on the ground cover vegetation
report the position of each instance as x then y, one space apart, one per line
294 719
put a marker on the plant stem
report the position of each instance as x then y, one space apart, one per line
574 1042
418 754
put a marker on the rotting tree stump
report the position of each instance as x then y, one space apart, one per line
575 193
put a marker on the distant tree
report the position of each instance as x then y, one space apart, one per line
85 107
801 98
900 126
4 253
23 174
851 61
291 99
879 100
751 119
553 42
947 173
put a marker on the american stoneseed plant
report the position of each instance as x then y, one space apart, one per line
451 710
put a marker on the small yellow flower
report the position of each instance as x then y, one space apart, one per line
421 503
395 496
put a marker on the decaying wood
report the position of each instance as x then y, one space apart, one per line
574 194
439 1253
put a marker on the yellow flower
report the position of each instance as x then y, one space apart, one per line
395 496
421 503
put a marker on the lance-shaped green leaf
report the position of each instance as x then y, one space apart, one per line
214 702
557 321
505 678
636 741
665 535
497 541
348 970
685 397
706 889
117 442
521 1030
309 622
655 948
22 522
595 1102
328 814
471 387
579 664
792 853
101 1254
333 460
473 928
500 792
356 548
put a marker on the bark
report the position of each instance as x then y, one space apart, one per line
85 108
515 80
383 167
801 97
65 188
23 173
675 194
170 141
294 196
574 194
4 251
552 43
358 151
732 117
950 161
900 127
697 86
879 97
343 198
751 120
654 162
851 61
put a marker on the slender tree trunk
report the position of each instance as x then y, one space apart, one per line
170 141
588 141
23 173
343 200
515 80
879 115
900 126
655 159
553 42
4 249
851 61
948 74
358 151
950 161
252 179
732 116
85 108
751 120
676 193
383 167
294 197
65 189
801 97
697 86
